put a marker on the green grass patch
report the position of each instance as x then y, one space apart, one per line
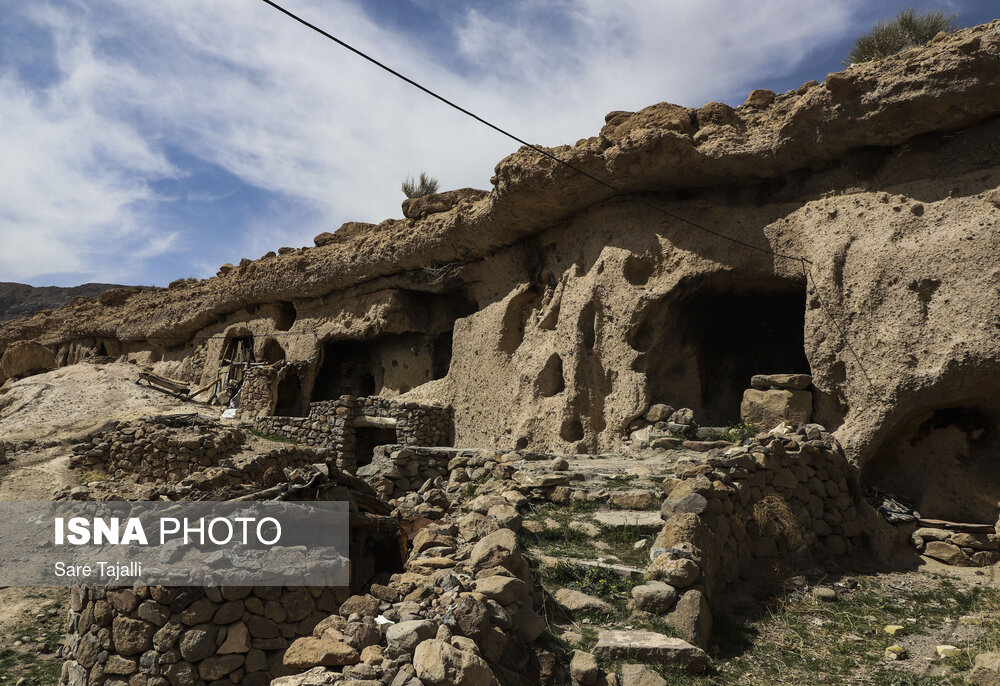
596 581
271 437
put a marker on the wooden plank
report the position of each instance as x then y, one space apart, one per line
169 384
957 526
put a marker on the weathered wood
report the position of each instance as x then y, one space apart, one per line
169 384
957 526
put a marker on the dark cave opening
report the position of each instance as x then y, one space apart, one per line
702 351
367 439
345 369
272 352
945 462
290 401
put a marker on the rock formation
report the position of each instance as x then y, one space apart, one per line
552 312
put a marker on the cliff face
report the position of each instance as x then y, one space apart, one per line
21 300
551 312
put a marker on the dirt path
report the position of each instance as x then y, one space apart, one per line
35 475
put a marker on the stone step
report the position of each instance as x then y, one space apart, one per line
647 522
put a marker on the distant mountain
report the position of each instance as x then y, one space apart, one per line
22 300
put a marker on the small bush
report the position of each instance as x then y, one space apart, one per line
910 27
93 475
414 189
737 433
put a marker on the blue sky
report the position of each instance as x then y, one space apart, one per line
141 142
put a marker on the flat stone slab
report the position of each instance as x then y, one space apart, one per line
642 520
791 382
648 646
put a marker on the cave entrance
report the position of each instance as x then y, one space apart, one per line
702 351
238 350
346 369
946 462
272 352
367 439
290 401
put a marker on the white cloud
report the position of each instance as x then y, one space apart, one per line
241 86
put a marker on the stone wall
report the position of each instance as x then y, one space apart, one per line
166 448
397 470
768 509
157 636
334 424
257 395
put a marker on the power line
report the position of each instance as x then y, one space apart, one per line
523 142
804 262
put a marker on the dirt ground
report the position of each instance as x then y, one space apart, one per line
75 400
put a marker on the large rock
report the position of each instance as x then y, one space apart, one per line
641 675
437 663
404 637
418 208
575 601
767 409
131 636
652 647
679 572
26 357
656 597
317 676
640 521
692 618
309 651
583 668
791 382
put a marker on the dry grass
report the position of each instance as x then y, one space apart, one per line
773 517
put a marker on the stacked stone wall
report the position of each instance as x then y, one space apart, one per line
257 394
332 424
158 449
158 636
744 522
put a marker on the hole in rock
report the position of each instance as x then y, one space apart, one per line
704 347
285 316
946 462
571 430
272 352
290 401
550 380
345 369
367 439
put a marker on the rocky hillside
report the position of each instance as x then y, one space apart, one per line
550 312
22 300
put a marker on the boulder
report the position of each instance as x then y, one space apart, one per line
678 572
948 553
655 596
635 520
404 637
26 357
583 668
438 663
418 208
650 647
791 382
986 671
575 601
641 675
692 618
768 409
658 413
317 676
309 651
635 500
